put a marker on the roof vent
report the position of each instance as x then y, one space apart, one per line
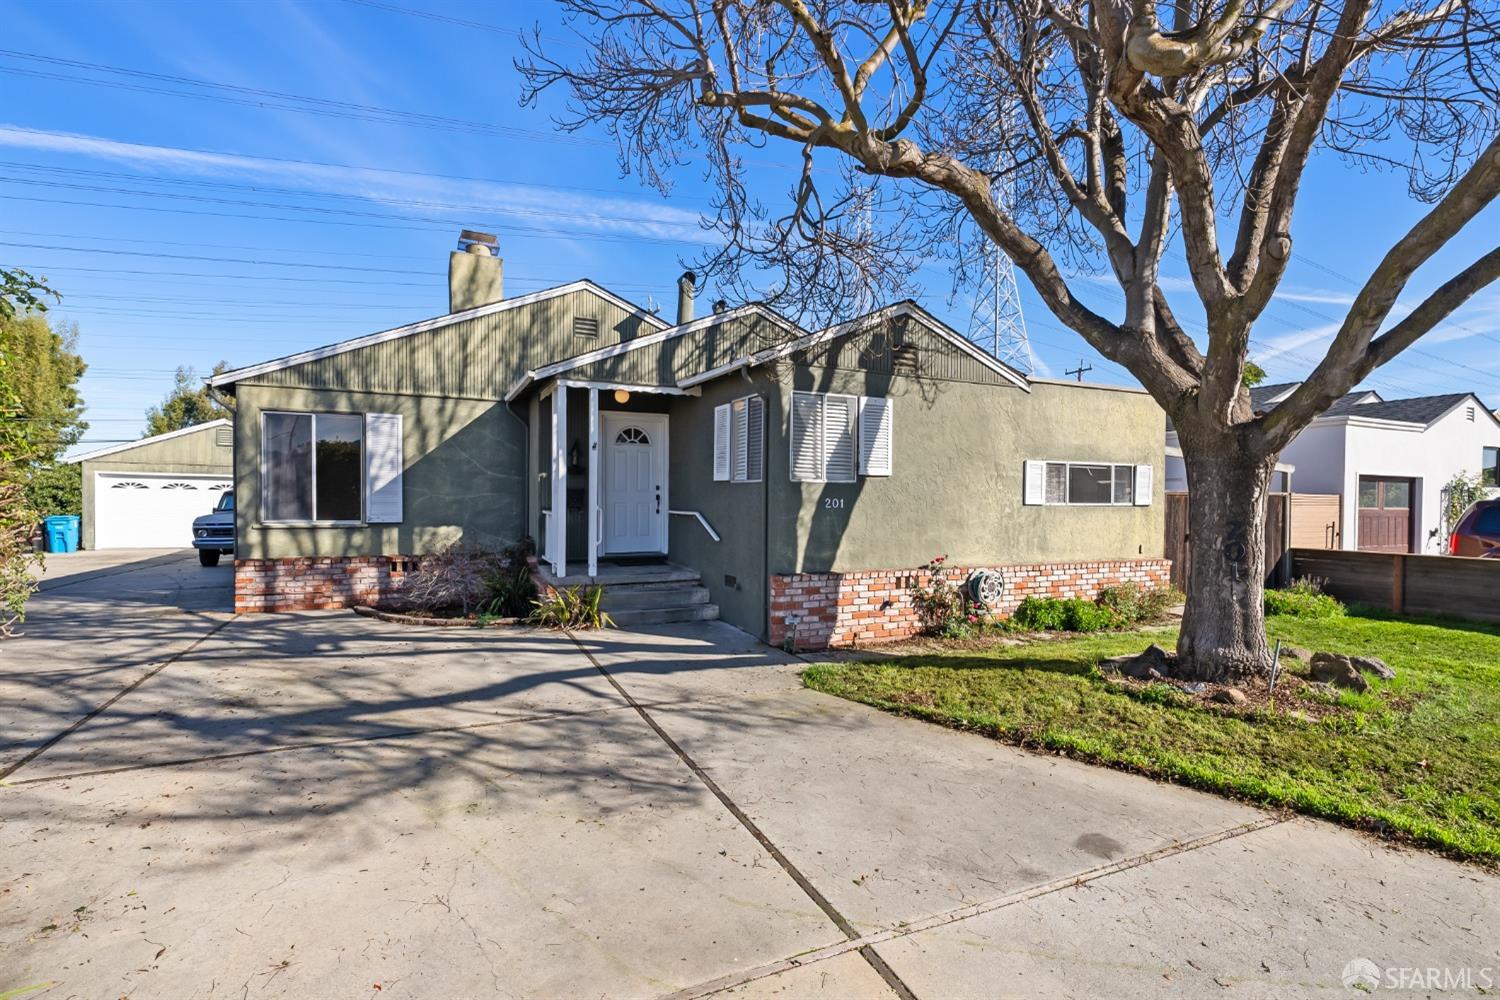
1471 414
586 326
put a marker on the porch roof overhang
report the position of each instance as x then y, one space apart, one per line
560 368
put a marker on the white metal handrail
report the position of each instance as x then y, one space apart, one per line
701 520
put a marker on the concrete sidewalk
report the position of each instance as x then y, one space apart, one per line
323 805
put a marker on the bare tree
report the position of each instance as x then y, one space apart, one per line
1129 133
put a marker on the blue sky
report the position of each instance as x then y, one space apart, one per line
229 224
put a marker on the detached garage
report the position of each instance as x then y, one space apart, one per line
145 494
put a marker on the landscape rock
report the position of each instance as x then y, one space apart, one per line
1296 653
1230 696
1195 687
1373 665
1336 669
1151 664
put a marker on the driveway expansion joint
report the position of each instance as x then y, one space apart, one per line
866 951
941 919
101 709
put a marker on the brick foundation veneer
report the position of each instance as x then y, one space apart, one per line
305 584
870 606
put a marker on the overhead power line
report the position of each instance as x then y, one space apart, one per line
260 98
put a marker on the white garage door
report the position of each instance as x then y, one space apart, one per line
132 510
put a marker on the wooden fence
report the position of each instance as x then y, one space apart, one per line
1404 583
1178 551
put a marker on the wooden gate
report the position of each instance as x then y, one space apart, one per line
1384 514
1178 551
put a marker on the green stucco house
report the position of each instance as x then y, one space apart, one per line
732 465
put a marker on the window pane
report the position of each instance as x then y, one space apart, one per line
340 469
1057 482
1090 483
1369 493
1488 522
1397 494
1491 468
1124 484
286 456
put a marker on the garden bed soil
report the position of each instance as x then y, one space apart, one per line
453 619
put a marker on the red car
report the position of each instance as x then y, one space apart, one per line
1478 531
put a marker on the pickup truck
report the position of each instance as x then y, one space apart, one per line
213 533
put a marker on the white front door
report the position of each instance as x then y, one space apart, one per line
634 478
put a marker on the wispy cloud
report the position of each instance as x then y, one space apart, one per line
528 202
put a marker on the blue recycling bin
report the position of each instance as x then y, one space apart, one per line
61 532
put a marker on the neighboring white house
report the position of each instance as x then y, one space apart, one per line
1389 460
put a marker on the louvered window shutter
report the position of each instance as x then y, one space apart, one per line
1143 485
383 465
1034 491
740 436
721 443
839 417
755 439
807 437
875 417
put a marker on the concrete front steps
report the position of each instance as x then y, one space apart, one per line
654 594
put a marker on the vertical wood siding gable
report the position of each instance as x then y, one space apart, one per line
476 358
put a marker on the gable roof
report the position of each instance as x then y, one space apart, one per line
652 340
89 456
1367 403
907 308
423 326
1419 410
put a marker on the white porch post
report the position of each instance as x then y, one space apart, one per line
593 503
558 544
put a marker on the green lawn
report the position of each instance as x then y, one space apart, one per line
1416 759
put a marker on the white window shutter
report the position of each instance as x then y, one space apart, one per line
1034 491
740 423
1143 485
807 437
383 464
721 443
840 457
755 439
875 417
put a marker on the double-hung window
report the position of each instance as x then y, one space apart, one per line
1087 484
313 467
740 440
836 438
1490 468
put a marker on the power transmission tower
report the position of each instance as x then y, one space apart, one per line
997 324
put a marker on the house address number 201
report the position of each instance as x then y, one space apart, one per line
833 503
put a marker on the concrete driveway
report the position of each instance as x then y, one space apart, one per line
318 805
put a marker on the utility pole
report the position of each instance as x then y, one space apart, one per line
1080 369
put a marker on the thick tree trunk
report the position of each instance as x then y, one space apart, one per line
1223 634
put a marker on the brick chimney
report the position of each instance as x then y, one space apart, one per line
475 272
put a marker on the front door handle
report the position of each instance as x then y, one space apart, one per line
658 498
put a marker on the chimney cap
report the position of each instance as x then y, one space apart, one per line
473 241
689 279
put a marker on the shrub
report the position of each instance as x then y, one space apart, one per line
939 603
1073 614
1304 598
572 608
510 592
453 579
1133 603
